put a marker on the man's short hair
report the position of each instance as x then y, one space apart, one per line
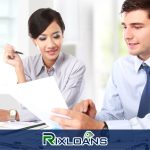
131 5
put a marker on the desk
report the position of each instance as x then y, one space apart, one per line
22 125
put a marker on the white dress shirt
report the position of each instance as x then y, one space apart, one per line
123 95
68 72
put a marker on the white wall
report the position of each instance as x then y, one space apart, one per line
22 31
26 8
22 42
85 46
78 38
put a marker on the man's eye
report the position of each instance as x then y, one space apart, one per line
138 27
123 27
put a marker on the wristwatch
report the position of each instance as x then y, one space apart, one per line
12 115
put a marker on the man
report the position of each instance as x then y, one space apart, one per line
124 104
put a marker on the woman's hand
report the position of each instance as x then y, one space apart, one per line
12 58
4 115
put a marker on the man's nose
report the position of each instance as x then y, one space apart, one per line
128 34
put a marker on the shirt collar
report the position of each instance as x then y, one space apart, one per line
138 62
56 65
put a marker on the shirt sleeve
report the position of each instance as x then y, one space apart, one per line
134 123
75 85
27 68
112 111
112 108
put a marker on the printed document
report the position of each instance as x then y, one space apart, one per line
39 97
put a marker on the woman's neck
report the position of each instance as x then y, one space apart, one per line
49 64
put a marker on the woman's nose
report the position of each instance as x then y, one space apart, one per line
50 43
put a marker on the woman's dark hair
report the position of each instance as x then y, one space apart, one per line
131 5
41 19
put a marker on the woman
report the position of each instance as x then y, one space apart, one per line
46 29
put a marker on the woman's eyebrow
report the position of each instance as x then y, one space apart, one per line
42 35
56 32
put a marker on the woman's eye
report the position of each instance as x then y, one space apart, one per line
42 38
56 36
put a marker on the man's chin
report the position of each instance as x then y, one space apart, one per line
133 52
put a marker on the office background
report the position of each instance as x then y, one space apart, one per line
93 34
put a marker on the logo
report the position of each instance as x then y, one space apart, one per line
49 138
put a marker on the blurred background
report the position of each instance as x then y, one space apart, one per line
93 34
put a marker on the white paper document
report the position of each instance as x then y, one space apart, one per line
39 97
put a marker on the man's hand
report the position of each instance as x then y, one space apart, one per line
87 107
75 120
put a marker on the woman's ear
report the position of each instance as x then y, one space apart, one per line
34 42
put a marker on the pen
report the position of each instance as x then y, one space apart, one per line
18 52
